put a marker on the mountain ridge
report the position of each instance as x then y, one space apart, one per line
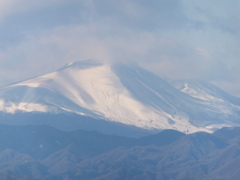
121 93
43 152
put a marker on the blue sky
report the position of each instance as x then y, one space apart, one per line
178 39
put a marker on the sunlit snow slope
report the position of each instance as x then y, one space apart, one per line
126 94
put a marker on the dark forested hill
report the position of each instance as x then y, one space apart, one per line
42 152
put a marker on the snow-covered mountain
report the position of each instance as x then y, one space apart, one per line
126 94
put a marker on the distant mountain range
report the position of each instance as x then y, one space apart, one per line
42 152
117 98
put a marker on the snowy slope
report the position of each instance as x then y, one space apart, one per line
126 94
210 95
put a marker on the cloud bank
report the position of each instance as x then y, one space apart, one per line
175 39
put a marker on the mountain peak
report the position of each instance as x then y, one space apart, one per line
82 64
121 93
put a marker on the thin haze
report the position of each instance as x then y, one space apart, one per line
178 39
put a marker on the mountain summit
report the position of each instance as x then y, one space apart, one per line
126 94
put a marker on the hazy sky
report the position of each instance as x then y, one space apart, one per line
178 39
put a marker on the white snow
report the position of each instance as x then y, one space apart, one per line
94 89
25 107
199 93
209 96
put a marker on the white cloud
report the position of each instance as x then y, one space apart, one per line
9 7
17 7
61 45
190 40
